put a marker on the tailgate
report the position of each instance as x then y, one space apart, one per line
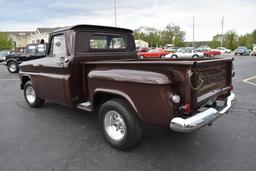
210 79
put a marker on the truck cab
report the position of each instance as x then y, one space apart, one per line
96 69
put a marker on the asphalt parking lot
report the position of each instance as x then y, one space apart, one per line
56 137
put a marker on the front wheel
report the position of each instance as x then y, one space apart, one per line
162 56
30 96
13 67
141 57
195 56
120 124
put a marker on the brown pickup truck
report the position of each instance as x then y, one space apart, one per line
96 69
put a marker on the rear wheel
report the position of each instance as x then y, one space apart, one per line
30 96
120 124
174 56
13 67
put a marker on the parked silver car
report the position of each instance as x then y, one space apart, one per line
242 50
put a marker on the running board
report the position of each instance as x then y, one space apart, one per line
85 106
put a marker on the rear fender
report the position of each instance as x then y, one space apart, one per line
125 75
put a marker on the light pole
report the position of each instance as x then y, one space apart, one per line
222 36
193 31
115 12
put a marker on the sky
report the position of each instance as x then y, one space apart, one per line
27 15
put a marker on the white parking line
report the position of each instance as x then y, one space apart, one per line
247 80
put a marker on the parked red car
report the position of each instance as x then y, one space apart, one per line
209 52
153 53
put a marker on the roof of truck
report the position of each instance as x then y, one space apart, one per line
91 27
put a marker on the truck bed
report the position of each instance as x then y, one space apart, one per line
200 79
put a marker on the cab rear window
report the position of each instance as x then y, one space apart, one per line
107 42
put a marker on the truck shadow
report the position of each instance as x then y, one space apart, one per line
154 139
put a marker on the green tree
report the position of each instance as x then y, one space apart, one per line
215 41
157 38
254 36
172 34
5 42
245 40
230 40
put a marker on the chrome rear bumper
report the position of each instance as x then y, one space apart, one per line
201 119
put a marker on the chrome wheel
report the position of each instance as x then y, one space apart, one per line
115 125
12 67
30 94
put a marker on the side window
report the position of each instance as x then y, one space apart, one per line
107 42
41 48
31 49
58 46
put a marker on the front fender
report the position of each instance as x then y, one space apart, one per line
11 59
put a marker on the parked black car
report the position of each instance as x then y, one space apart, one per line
32 51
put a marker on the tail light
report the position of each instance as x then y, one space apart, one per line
186 108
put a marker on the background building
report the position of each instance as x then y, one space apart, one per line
42 34
20 39
141 44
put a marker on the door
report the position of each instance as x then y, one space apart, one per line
54 74
188 53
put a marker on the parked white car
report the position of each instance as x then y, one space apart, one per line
223 50
185 53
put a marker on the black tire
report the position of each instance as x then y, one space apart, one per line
133 131
13 67
235 54
174 56
162 56
195 56
37 102
141 57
